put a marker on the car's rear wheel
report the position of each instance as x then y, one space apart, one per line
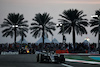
40 58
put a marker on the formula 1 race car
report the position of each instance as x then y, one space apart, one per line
50 57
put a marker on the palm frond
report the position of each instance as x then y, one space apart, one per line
42 21
34 24
9 33
93 22
14 19
7 29
37 33
83 23
81 30
94 30
7 21
51 23
4 25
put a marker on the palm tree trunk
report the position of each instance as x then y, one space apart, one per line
74 37
43 37
21 41
22 38
15 36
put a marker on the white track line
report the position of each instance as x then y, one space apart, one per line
66 65
81 61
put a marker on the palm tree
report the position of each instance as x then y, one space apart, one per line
13 24
95 23
42 25
74 22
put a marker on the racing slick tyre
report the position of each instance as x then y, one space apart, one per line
56 58
40 58
62 59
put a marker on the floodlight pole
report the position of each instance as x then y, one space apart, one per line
61 25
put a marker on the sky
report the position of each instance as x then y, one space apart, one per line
55 7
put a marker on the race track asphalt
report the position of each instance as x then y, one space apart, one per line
29 60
